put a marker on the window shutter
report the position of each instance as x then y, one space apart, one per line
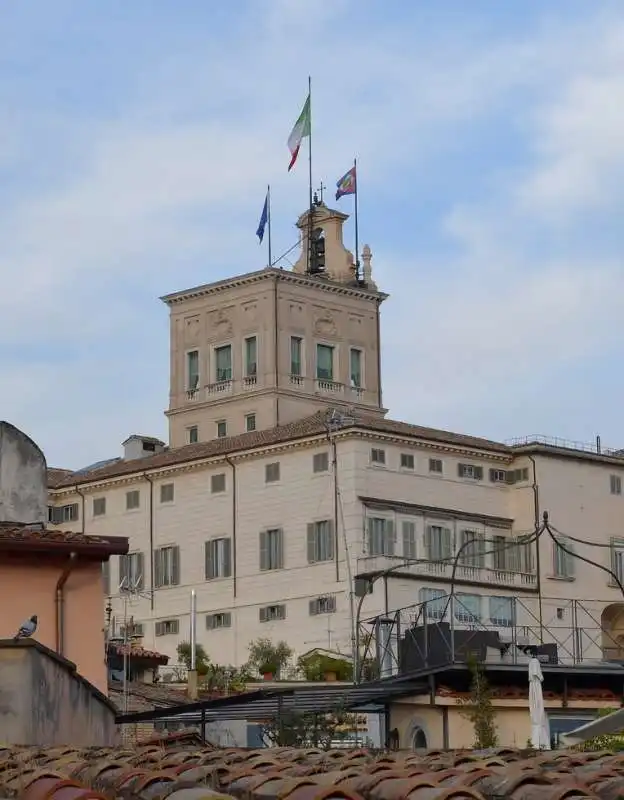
227 558
124 572
264 554
407 539
314 608
331 538
493 475
175 565
158 577
390 538
428 538
158 629
510 476
140 571
210 622
460 470
331 603
311 543
371 532
570 560
478 473
262 614
447 548
209 565
280 548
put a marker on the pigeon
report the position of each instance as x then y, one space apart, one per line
26 629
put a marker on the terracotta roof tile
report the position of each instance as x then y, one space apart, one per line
308 426
178 764
36 537
56 474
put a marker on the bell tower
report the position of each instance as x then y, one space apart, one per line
269 347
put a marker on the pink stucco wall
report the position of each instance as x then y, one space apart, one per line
29 587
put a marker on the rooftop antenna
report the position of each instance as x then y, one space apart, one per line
129 588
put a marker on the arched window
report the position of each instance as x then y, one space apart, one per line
419 739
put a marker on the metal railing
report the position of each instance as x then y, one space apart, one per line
565 444
447 631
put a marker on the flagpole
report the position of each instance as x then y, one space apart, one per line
357 243
269 221
310 224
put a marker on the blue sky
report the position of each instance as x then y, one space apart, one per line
137 139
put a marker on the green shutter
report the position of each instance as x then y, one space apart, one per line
175 566
227 558
264 554
311 543
140 571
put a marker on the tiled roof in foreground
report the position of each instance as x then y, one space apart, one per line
178 765
300 429
36 538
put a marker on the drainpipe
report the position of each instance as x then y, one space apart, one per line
82 510
60 604
536 510
233 465
151 536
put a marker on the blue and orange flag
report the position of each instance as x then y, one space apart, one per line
347 184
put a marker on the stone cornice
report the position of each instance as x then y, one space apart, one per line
272 273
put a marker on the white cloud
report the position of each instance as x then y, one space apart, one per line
167 194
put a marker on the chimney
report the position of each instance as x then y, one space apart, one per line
137 446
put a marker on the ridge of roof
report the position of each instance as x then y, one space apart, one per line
299 429
15 536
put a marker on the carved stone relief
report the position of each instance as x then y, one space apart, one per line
220 323
192 327
324 324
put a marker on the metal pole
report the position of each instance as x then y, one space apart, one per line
125 657
193 630
357 243
269 222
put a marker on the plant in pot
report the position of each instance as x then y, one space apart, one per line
325 667
268 658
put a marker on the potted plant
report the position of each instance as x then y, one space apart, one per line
268 658
325 666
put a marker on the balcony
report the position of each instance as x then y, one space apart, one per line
220 387
250 382
329 387
432 570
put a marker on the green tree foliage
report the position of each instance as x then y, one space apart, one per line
479 709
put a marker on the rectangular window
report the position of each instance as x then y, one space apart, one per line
131 572
617 560
381 536
134 630
355 367
251 357
99 506
616 484
133 499
250 422
438 543
223 363
272 472
378 456
296 355
192 434
167 566
272 549
217 483
517 475
498 476
324 362
166 627
222 619
435 465
320 462
502 611
320 541
192 370
467 608
512 554
408 530
322 605
166 493
218 558
472 546
221 429
407 461
471 471
563 559
272 613
436 600
69 513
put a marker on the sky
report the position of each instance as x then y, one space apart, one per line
137 140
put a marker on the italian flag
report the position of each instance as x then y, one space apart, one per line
301 130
